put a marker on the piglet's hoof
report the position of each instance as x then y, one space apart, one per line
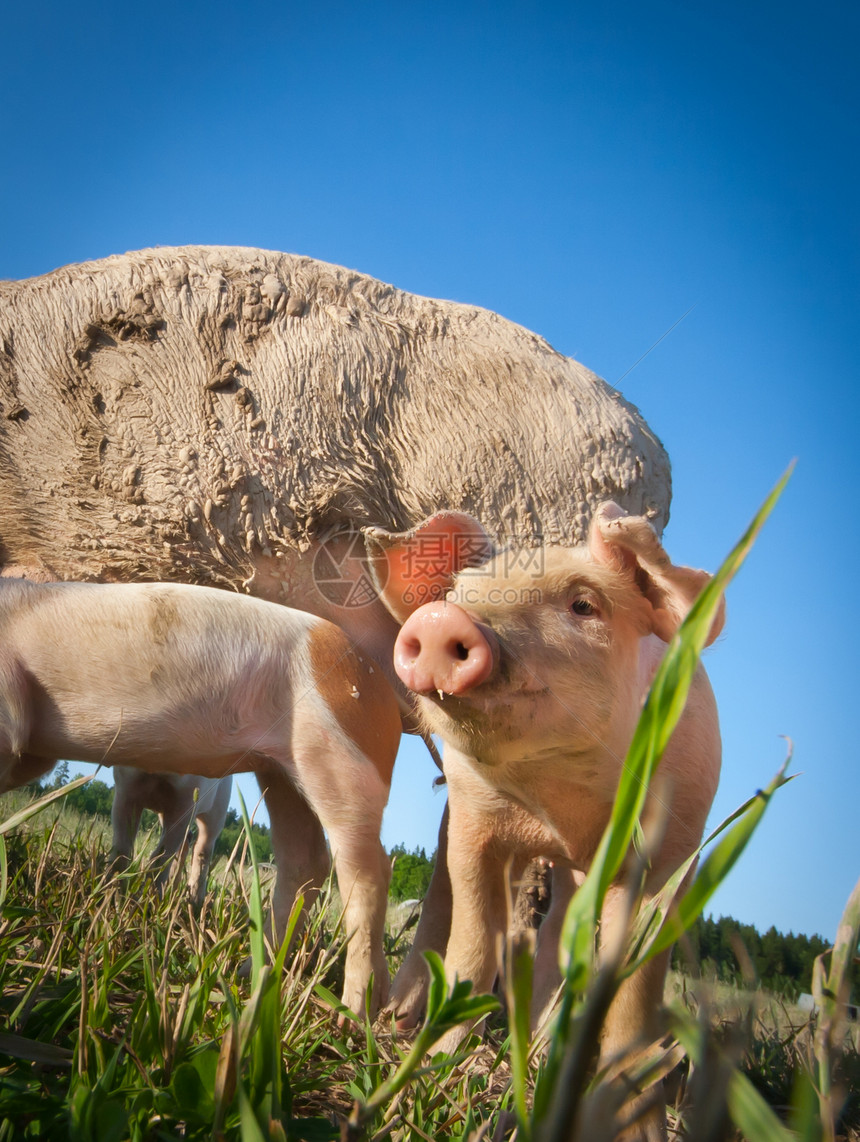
407 1001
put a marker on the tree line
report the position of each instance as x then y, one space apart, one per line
732 951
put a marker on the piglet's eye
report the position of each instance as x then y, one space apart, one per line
583 607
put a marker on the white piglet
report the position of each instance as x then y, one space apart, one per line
533 666
182 679
180 800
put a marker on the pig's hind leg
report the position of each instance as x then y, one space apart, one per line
298 843
633 1021
177 817
125 815
211 815
409 990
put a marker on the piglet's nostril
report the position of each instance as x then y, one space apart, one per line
461 651
411 646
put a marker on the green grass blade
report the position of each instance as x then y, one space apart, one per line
660 714
831 990
748 1109
519 978
445 1009
844 950
713 871
4 872
805 1120
667 698
255 903
752 1115
41 803
249 1126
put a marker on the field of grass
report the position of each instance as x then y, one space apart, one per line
125 1016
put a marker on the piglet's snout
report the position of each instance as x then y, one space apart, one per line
441 647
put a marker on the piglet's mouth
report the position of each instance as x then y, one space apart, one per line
489 714
454 703
489 698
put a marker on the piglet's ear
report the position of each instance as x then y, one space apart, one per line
630 545
410 568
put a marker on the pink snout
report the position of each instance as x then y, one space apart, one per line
441 647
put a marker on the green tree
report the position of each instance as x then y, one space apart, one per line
61 776
410 873
782 963
233 830
94 798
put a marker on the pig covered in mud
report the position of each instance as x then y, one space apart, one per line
233 417
219 415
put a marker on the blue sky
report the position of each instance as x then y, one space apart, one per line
594 172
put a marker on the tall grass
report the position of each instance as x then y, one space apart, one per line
125 1016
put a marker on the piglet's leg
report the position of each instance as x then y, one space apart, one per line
298 843
476 864
349 796
346 731
125 820
633 1023
363 873
409 990
201 858
212 809
176 821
